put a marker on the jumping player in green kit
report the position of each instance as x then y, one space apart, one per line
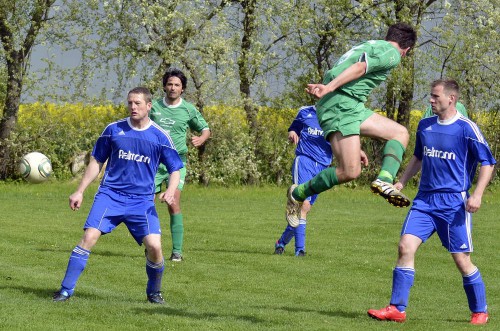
175 115
344 118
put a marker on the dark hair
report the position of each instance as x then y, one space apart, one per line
142 90
174 72
403 34
450 86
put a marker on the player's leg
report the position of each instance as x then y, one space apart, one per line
396 137
474 287
300 231
347 151
144 225
76 264
155 267
103 218
176 227
417 228
455 234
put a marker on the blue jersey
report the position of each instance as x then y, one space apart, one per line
450 152
311 141
133 156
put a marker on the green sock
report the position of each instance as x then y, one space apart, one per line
323 181
393 155
177 230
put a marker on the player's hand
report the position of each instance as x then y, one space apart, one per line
398 186
167 197
197 141
364 159
293 137
75 200
473 204
317 90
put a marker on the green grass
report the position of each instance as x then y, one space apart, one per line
230 280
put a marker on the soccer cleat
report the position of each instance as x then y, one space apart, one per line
156 298
389 193
300 253
60 296
175 257
279 249
479 318
292 208
389 313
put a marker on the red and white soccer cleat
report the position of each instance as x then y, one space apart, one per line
389 313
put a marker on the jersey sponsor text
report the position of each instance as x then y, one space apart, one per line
431 152
133 157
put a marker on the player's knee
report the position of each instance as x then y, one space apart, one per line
402 135
405 250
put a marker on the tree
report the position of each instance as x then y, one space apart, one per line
20 24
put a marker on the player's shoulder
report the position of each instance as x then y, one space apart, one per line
115 126
306 110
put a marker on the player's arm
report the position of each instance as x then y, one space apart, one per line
484 177
197 141
173 183
91 173
411 170
353 72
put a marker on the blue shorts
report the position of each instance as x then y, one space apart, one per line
304 169
445 214
138 212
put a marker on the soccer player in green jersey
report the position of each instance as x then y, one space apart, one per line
344 118
176 115
459 106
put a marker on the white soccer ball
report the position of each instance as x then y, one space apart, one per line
35 167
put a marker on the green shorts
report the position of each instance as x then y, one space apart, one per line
340 112
162 176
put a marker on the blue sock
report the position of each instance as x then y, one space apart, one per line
300 236
475 291
286 236
76 265
155 273
402 281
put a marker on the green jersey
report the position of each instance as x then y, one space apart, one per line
176 120
380 57
460 108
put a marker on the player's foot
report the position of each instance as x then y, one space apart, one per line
389 193
300 253
389 313
60 296
279 249
479 318
156 298
175 257
292 208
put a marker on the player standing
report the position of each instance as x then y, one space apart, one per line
447 150
175 115
312 154
343 118
133 148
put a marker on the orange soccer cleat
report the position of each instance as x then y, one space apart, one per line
389 313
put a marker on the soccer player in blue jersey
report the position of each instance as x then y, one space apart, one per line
133 148
344 118
447 150
312 154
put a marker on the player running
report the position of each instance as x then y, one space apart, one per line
175 115
447 150
133 148
312 154
343 118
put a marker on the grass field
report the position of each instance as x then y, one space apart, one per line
230 280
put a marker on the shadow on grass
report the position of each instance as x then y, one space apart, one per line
43 293
166 310
94 252
330 313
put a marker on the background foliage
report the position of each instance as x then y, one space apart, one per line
64 131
